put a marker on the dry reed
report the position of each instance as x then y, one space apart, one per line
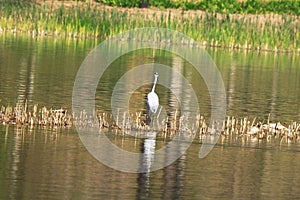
20 114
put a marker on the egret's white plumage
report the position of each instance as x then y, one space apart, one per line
152 98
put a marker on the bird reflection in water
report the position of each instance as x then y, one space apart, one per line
147 158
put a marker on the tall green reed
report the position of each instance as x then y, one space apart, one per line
209 29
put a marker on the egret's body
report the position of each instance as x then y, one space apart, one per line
152 98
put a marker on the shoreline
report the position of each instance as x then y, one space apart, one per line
260 32
272 18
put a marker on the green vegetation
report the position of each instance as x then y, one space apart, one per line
219 6
26 17
277 33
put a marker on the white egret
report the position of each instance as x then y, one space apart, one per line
152 98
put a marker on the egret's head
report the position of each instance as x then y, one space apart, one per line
155 74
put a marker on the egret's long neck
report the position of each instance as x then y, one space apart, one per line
155 80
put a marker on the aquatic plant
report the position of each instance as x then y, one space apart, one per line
21 114
268 33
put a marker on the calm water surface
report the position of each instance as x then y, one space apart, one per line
50 163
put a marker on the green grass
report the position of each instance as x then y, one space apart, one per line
220 6
208 29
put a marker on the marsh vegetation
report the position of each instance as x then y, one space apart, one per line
263 32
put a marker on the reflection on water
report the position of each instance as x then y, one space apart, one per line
147 158
45 162
33 68
148 150
257 83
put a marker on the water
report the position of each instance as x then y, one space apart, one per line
53 164
39 163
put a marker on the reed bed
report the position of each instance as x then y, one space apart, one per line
138 122
22 115
263 33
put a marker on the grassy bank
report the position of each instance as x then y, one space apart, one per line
291 7
84 20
